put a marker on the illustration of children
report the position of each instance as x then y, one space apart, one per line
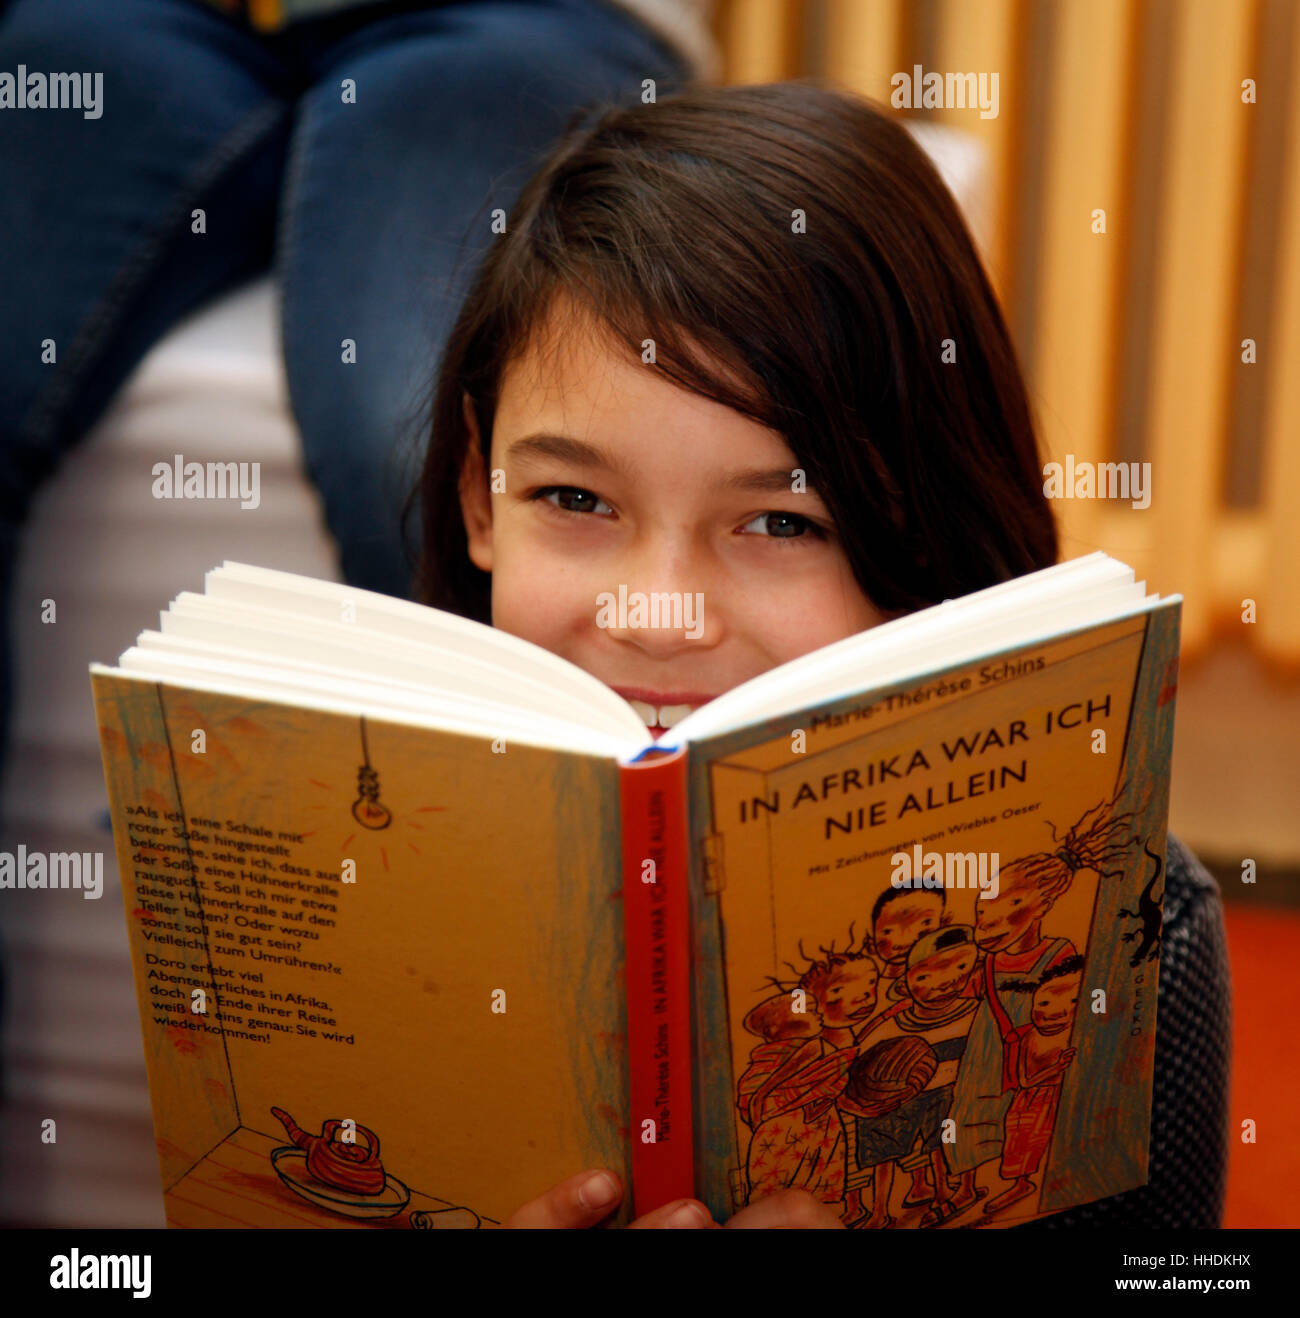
1036 1057
901 1087
787 1093
786 1049
899 917
1009 931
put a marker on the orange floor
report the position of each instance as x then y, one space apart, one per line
1264 1177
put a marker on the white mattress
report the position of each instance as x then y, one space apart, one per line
111 556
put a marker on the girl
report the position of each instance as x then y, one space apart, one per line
788 1094
740 314
736 315
1009 932
1037 1054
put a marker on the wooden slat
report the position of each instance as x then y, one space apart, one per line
760 40
1240 549
863 44
980 36
1201 220
1122 532
1079 280
1279 605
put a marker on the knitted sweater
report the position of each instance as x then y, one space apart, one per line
683 25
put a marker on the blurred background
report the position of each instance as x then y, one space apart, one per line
1137 203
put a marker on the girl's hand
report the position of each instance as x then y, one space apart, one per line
587 1199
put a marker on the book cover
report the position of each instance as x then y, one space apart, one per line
353 946
974 1043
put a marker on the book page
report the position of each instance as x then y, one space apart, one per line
373 962
927 926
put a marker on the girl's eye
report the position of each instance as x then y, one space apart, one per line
572 499
786 526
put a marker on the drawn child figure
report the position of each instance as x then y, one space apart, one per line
787 1094
789 1044
899 1112
1035 1058
1009 931
899 917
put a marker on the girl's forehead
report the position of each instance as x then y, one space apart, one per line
569 322
574 375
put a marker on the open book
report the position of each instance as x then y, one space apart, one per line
424 921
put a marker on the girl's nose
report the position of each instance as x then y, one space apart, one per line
662 606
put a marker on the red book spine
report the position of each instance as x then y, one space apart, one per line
657 928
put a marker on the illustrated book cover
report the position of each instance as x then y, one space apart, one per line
424 921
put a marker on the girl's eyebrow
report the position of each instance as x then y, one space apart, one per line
565 448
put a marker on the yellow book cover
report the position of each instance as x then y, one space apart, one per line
927 932
898 948
378 951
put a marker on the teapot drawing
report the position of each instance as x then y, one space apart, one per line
338 1163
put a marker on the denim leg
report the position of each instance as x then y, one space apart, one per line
98 255
386 216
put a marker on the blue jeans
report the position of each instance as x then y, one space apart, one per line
373 213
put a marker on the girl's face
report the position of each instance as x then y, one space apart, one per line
612 483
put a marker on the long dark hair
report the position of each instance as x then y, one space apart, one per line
675 221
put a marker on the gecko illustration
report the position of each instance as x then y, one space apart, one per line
1148 912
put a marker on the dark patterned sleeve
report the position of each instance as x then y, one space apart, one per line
1189 1107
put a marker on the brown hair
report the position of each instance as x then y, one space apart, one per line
673 221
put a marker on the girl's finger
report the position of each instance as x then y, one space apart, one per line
581 1201
788 1208
686 1214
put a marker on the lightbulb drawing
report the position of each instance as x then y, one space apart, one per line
367 809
